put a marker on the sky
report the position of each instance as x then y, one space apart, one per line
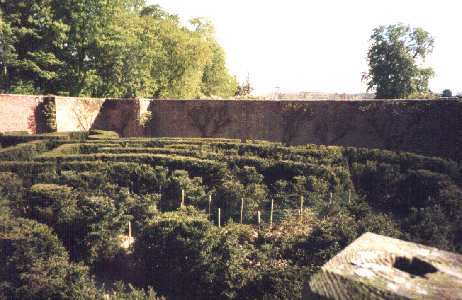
321 46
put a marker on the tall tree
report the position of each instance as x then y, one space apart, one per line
36 31
216 80
107 48
180 58
395 59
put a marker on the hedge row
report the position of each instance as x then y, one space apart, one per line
274 170
407 161
24 151
64 149
30 171
211 171
13 139
169 151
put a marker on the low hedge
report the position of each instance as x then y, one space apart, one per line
406 161
13 139
24 151
64 149
102 135
211 171
30 171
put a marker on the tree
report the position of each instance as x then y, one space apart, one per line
446 93
394 61
108 48
245 88
216 80
33 35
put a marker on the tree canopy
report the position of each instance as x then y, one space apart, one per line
108 48
395 58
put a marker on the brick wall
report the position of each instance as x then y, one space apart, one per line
429 127
75 114
17 113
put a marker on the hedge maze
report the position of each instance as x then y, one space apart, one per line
298 207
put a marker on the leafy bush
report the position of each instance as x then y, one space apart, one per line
183 255
25 151
35 265
178 183
13 139
102 135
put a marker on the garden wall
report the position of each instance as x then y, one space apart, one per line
429 127
17 112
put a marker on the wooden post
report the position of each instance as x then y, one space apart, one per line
219 217
271 216
258 220
301 205
210 206
242 208
349 196
182 198
129 233
330 202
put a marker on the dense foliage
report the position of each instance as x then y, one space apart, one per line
394 62
108 48
67 206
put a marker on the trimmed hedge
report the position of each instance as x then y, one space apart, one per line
102 135
24 151
65 149
13 139
211 171
406 161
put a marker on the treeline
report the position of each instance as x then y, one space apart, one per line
108 48
67 201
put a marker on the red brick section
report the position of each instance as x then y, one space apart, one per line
75 114
17 113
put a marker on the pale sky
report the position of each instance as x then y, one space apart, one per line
321 46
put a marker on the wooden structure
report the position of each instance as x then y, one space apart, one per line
379 267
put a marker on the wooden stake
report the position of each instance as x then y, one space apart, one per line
242 208
301 204
219 217
349 196
210 206
129 233
182 198
330 202
258 220
271 216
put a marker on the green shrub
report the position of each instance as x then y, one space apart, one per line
183 255
25 151
102 135
78 135
178 183
12 139
34 265
65 149
12 190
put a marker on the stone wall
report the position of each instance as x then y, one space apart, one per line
429 127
